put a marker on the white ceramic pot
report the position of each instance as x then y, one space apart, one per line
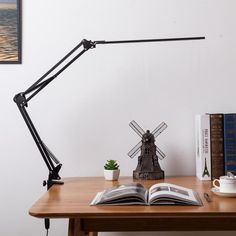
111 174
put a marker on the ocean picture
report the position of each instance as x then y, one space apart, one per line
10 36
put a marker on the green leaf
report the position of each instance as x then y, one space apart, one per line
111 165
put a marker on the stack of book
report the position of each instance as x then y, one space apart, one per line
215 145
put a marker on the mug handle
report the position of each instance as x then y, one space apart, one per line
214 183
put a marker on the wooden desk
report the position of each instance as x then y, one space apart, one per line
72 200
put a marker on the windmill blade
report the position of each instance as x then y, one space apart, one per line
161 155
136 128
159 129
135 150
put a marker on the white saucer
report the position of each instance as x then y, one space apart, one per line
222 194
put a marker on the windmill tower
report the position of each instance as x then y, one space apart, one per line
148 166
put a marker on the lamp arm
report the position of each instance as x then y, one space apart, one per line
88 44
22 102
43 81
48 157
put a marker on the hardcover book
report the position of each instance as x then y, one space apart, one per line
230 143
203 147
217 145
137 194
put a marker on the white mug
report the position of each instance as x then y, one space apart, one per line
225 184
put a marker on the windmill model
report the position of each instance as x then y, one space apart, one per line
148 166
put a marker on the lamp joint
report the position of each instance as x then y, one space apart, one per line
20 99
88 44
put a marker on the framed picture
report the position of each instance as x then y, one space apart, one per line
10 32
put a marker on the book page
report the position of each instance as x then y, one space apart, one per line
169 192
121 194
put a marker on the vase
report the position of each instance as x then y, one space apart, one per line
111 174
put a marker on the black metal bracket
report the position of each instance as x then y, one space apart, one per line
20 99
88 44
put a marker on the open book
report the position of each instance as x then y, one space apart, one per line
137 194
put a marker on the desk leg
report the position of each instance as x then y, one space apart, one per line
75 229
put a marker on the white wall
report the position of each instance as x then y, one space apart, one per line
83 116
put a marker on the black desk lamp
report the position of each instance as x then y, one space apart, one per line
22 99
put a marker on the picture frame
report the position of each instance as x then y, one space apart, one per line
10 32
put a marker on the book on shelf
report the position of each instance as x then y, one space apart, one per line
157 194
217 145
230 143
203 147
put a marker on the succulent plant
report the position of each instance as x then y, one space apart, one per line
111 165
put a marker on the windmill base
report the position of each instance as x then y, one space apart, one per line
148 174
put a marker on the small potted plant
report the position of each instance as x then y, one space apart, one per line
111 170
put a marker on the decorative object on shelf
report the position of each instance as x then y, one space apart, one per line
10 31
148 166
111 170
